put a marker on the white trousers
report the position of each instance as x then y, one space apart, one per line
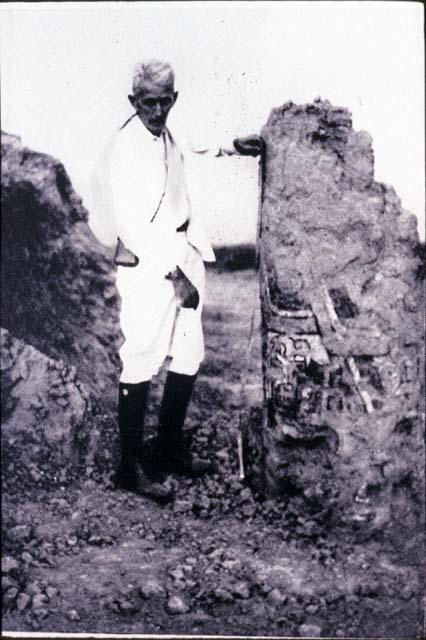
152 325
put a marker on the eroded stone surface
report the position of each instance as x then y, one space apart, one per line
60 334
342 307
44 406
58 291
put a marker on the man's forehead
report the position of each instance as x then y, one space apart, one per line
155 89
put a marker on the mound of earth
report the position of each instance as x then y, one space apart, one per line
58 291
44 410
60 330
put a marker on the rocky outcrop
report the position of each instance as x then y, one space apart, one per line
58 291
43 402
342 306
59 309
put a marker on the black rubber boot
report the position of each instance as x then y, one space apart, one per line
174 454
132 401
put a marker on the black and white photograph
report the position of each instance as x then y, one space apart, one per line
213 319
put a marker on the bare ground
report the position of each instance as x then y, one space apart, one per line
217 561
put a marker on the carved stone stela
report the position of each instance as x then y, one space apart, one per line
342 314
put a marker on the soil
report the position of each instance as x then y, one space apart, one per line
79 556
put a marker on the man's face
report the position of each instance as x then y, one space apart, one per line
152 104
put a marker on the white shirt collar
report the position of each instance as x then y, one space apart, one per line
142 132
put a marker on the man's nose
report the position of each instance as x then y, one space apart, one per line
157 109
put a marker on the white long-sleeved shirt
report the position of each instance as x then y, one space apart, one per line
140 195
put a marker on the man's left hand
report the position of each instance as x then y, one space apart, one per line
187 295
249 145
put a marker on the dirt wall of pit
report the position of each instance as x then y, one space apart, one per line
59 315
58 291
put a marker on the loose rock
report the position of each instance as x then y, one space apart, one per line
241 590
51 592
27 557
72 541
10 595
9 565
177 574
200 616
20 533
406 592
151 588
127 607
312 609
32 588
309 631
182 506
222 595
177 605
39 600
276 597
23 601
7 582
73 615
231 564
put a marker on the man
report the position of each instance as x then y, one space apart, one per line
143 204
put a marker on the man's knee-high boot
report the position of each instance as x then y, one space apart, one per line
132 401
174 453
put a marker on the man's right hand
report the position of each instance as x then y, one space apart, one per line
124 257
186 294
249 145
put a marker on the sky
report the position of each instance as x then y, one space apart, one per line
66 71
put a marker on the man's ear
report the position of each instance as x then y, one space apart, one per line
132 101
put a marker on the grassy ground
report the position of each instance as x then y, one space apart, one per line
90 559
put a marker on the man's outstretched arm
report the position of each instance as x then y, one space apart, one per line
247 146
186 294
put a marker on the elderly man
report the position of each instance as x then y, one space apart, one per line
144 209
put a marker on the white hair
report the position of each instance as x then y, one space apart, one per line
155 72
